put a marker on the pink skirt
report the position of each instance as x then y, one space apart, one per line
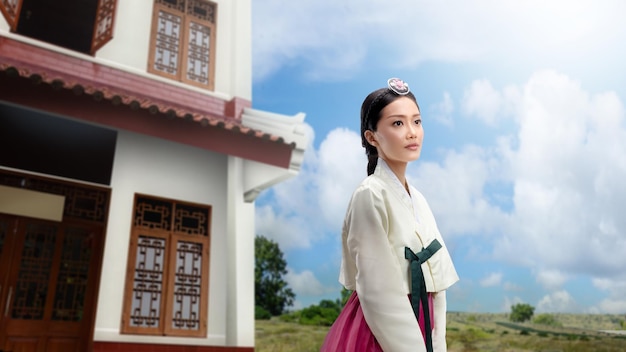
351 333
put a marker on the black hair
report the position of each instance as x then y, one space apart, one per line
373 104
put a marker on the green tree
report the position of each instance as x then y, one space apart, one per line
521 312
345 295
270 289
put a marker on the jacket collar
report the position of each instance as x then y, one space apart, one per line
384 172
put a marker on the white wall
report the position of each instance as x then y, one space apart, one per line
240 305
4 26
165 169
130 45
131 35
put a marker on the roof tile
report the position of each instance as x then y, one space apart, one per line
108 83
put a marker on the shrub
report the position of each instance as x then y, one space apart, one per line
261 313
323 314
547 319
292 317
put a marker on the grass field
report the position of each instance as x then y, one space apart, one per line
469 332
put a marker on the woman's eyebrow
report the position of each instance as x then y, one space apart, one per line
402 115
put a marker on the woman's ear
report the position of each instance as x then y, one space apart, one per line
370 138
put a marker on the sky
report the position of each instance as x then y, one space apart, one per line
524 155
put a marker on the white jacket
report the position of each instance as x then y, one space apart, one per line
382 218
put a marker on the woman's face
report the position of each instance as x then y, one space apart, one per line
399 134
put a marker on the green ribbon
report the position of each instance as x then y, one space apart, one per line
418 285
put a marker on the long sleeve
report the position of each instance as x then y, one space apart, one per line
439 330
379 278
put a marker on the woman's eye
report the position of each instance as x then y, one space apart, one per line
397 123
418 121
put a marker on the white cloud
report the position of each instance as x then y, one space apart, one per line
612 306
455 190
511 286
442 111
605 284
551 279
563 171
615 303
289 231
305 209
559 301
308 288
565 167
493 279
306 284
284 31
334 38
509 302
482 101
285 218
341 168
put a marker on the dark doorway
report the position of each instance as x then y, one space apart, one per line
40 142
66 23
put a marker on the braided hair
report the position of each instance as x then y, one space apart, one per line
373 104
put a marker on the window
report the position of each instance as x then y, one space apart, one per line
182 44
80 25
167 275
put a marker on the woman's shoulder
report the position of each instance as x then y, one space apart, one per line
370 187
372 183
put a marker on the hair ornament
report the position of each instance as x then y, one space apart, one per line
398 86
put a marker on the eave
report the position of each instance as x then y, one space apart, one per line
81 88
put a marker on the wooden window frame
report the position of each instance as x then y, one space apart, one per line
11 11
104 24
183 47
171 238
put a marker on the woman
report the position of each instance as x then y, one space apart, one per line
394 259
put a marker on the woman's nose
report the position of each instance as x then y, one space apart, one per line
412 131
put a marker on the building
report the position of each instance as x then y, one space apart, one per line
130 160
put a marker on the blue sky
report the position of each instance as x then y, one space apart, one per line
524 156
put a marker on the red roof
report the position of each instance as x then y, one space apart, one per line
138 91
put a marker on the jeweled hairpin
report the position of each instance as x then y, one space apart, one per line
398 86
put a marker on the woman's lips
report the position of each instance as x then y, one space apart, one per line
413 146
